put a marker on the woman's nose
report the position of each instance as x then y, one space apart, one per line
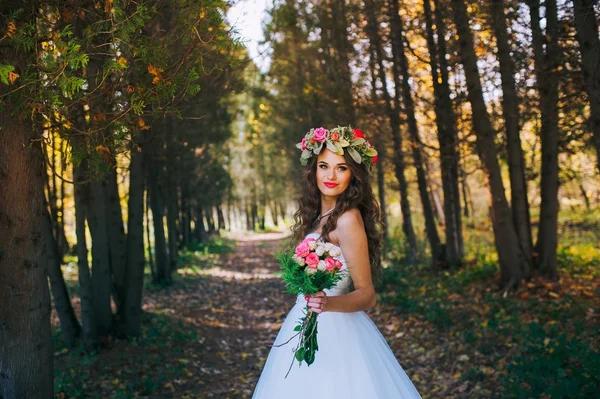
332 174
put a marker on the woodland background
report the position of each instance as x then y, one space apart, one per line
136 135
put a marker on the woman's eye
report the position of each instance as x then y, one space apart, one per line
342 168
322 166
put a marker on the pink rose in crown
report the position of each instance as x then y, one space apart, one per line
312 260
358 134
302 250
304 147
375 158
335 136
331 264
320 134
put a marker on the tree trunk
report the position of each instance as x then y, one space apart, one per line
81 193
221 217
69 325
401 70
134 276
147 207
447 135
186 211
26 369
589 47
160 244
116 236
63 244
341 68
101 279
546 63
380 161
509 253
465 194
407 226
510 109
172 216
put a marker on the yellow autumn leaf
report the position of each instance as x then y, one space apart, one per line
12 28
12 76
122 61
154 70
155 80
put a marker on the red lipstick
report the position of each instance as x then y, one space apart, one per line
330 185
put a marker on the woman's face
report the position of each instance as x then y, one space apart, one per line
333 173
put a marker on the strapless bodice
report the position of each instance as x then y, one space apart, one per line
343 286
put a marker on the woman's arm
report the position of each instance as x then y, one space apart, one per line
350 233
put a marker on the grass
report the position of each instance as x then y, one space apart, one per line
541 341
92 374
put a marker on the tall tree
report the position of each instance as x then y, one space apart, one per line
401 84
586 24
509 253
131 311
546 52
394 118
446 133
26 368
69 325
510 109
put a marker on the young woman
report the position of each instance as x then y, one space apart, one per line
337 206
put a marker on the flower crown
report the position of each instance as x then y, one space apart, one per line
336 140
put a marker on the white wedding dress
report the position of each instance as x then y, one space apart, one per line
353 360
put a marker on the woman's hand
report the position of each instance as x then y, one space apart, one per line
317 302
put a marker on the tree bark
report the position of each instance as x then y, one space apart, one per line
447 135
394 118
160 244
148 236
401 70
510 109
26 369
343 49
81 193
509 253
134 276
381 154
589 47
101 277
546 63
69 325
116 236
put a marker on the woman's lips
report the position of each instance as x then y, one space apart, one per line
331 185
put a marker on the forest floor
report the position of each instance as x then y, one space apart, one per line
208 334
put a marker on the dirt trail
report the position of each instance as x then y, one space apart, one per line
236 308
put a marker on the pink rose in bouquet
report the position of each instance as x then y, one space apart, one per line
302 250
313 267
312 260
332 264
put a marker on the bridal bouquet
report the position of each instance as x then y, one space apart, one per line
311 268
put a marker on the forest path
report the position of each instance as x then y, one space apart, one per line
236 305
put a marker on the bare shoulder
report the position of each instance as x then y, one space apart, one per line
350 219
349 225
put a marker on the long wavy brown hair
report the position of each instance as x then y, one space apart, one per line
359 194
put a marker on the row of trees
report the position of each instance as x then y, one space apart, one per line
478 85
99 97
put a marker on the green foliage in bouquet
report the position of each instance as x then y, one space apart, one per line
298 282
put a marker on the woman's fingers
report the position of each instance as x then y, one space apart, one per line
317 302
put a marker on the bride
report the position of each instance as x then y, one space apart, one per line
337 206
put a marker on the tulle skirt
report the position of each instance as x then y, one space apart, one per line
353 361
